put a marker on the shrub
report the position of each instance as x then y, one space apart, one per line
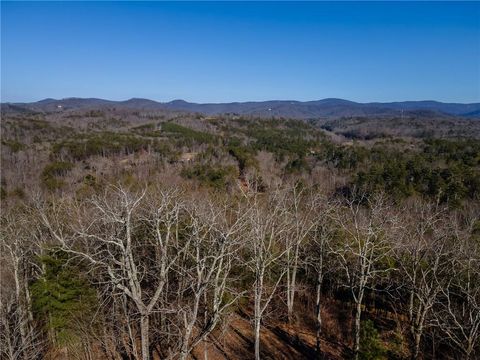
217 177
57 168
371 346
52 171
14 145
244 155
298 165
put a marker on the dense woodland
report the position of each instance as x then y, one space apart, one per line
135 234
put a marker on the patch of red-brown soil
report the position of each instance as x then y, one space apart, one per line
279 340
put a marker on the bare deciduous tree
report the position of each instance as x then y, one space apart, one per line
268 228
215 233
457 313
363 245
108 234
422 259
318 257
20 246
300 207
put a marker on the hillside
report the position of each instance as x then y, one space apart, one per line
326 108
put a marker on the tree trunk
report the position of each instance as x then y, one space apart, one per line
205 350
358 315
416 345
184 350
10 351
189 328
144 332
291 291
257 337
22 317
318 314
205 316
469 352
28 300
258 312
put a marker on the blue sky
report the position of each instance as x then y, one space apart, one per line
217 52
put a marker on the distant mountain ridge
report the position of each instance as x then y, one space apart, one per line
325 108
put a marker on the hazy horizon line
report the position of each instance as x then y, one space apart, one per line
238 101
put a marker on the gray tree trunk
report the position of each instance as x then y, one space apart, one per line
358 315
257 338
144 333
318 314
417 339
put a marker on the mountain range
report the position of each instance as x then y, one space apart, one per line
326 108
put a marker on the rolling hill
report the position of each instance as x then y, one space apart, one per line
326 108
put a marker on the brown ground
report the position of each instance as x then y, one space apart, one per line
279 340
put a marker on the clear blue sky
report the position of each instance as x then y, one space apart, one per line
216 52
